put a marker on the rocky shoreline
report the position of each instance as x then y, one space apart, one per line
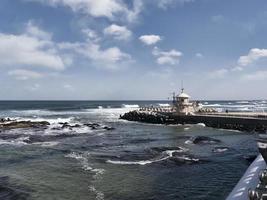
15 124
8 124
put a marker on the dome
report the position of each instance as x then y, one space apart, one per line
183 95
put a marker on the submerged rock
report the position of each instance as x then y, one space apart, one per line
203 140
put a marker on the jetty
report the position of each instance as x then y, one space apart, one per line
183 111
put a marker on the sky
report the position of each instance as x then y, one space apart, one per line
132 49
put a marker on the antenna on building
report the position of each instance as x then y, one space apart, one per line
182 86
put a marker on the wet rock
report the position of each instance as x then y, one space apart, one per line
204 140
161 149
185 159
24 124
92 125
108 128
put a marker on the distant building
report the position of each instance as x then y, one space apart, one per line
182 104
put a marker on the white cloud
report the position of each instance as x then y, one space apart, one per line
22 74
164 4
109 55
199 55
150 39
36 32
111 9
118 32
253 56
220 73
91 34
237 69
108 58
32 48
256 76
171 57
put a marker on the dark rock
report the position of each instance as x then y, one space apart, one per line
108 128
24 124
204 140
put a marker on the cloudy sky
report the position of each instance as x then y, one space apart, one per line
138 49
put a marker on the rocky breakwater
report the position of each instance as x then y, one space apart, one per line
147 117
215 120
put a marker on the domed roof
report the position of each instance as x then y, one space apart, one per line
183 95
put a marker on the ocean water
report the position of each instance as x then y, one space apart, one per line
132 161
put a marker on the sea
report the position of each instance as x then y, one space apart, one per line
114 159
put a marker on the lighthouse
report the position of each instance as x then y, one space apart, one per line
182 104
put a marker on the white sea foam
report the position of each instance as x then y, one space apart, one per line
168 153
17 142
163 104
188 142
83 159
99 195
220 150
46 144
130 106
201 124
243 102
185 158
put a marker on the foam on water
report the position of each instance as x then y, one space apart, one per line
163 104
130 106
83 159
168 153
46 144
201 124
17 142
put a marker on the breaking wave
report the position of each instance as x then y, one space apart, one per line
130 106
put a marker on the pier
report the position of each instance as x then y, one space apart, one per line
185 112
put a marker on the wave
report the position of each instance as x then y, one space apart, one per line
130 106
46 144
168 153
220 149
201 124
17 142
243 102
163 104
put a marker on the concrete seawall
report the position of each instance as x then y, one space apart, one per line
242 122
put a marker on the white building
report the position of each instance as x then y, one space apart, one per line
183 105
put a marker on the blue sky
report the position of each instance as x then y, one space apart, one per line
138 49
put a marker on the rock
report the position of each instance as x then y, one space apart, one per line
24 124
204 140
108 128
